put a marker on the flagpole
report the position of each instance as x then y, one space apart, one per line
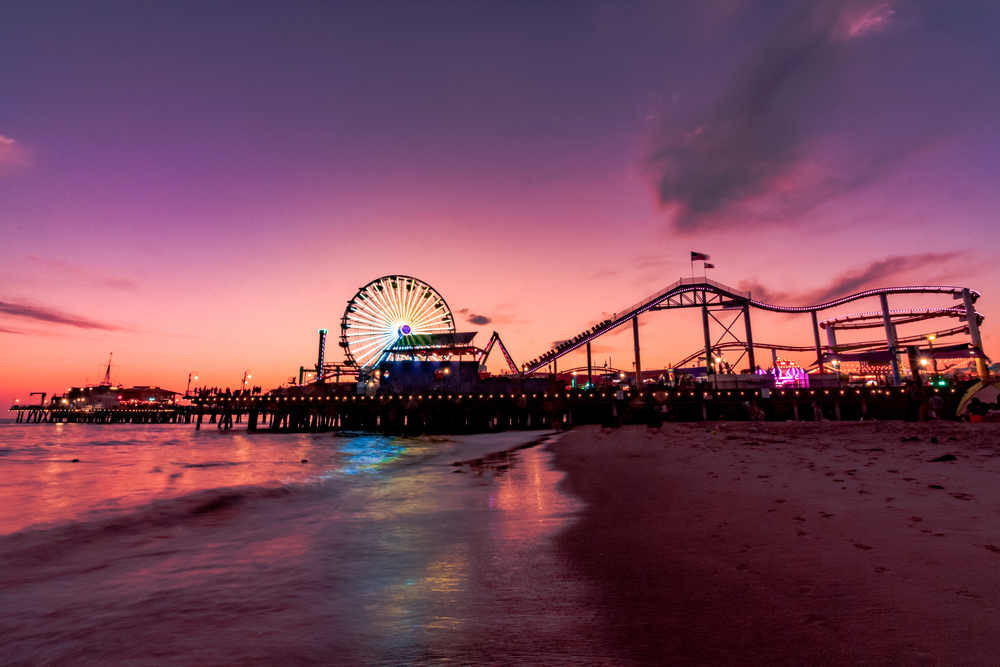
698 257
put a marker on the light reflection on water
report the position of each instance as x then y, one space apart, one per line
377 552
369 453
489 588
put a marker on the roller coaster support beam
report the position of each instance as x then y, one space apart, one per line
831 337
819 348
590 372
746 326
709 368
638 366
977 341
890 337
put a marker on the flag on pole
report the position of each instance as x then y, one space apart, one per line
709 266
699 257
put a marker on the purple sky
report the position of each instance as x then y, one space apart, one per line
203 185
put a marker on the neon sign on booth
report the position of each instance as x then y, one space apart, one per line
787 373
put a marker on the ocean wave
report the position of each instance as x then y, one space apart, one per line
55 542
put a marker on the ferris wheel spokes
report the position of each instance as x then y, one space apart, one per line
386 309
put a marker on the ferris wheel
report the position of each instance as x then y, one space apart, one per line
386 309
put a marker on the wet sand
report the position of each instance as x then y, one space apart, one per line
835 543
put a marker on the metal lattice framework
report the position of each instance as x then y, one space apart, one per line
386 309
702 292
875 319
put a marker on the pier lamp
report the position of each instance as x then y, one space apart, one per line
930 344
446 372
192 374
246 376
717 355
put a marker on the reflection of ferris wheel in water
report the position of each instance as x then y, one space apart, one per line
385 309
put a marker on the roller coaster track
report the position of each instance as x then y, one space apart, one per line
873 319
902 342
697 292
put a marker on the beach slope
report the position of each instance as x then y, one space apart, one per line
830 543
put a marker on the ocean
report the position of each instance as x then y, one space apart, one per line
162 545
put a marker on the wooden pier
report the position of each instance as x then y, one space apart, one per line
478 413
54 414
457 413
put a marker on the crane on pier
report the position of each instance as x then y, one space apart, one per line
106 382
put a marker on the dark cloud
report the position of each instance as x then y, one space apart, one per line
760 293
829 102
879 273
82 274
876 273
472 318
10 331
737 148
40 314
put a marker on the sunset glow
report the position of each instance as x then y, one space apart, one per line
193 185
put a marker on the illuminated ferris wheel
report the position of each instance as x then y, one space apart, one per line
386 309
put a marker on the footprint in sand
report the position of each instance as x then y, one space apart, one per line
969 595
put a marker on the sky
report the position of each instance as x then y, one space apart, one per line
200 187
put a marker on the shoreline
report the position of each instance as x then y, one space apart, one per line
789 543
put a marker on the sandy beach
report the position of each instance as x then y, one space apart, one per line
837 543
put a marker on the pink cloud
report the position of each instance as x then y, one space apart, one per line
859 21
12 155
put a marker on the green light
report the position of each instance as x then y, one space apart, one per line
323 331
